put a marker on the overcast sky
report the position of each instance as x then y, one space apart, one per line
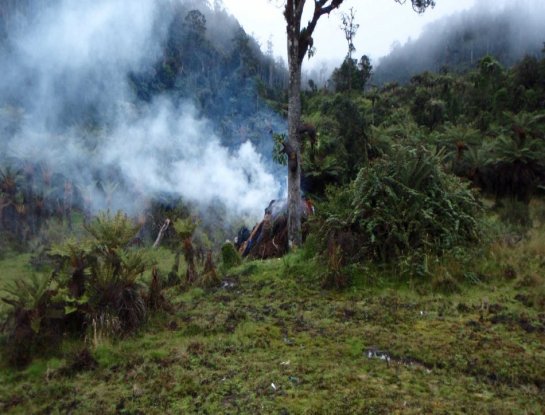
382 22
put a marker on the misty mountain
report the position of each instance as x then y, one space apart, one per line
457 42
147 98
209 59
204 56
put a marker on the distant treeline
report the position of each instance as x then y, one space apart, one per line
209 57
458 42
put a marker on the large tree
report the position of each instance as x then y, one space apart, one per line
300 42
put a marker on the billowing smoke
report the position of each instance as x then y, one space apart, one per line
66 101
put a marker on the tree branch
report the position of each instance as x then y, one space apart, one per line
419 6
161 233
305 36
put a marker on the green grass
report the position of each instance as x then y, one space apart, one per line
221 351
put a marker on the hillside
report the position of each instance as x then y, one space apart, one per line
456 43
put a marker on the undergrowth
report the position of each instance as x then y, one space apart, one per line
273 341
457 333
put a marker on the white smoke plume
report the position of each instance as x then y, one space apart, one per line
80 52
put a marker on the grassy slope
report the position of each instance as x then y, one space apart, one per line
221 351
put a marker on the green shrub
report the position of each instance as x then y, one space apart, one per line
229 257
95 287
32 321
398 205
112 269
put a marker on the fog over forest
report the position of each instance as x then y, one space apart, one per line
507 30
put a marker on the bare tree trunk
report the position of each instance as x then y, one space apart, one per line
293 14
176 265
299 43
189 255
294 153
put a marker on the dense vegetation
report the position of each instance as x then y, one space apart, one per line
419 289
387 158
220 68
489 121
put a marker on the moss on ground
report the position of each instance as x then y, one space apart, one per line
271 341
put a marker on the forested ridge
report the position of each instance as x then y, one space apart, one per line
456 43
